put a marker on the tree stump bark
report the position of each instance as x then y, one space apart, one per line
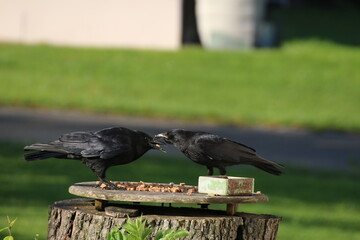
77 219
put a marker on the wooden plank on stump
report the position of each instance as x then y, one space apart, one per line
121 212
87 189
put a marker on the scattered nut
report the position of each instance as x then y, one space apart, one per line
190 191
153 187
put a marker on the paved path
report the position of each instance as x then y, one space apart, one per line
298 147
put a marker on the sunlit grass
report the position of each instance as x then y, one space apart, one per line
304 83
314 204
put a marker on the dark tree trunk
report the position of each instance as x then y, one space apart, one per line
77 219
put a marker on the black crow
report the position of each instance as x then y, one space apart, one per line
216 152
99 150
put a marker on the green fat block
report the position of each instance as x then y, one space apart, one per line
226 185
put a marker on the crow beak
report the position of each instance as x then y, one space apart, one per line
162 138
157 146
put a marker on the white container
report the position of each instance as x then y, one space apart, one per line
228 24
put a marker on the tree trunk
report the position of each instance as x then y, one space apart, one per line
77 219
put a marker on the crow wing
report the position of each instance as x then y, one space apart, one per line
224 150
105 144
84 144
95 145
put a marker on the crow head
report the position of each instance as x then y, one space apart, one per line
151 142
176 137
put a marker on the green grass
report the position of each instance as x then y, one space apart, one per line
314 204
305 83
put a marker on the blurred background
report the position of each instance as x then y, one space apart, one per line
281 76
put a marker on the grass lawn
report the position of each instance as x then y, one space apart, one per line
309 83
314 204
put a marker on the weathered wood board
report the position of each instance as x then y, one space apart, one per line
88 189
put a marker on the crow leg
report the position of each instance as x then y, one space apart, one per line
222 171
100 173
110 185
99 168
210 171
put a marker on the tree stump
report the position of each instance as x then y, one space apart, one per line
77 219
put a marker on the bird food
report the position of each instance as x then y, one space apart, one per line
152 187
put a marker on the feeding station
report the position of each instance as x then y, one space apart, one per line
100 210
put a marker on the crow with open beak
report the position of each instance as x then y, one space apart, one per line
214 151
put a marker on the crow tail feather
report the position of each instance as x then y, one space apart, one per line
39 155
268 166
